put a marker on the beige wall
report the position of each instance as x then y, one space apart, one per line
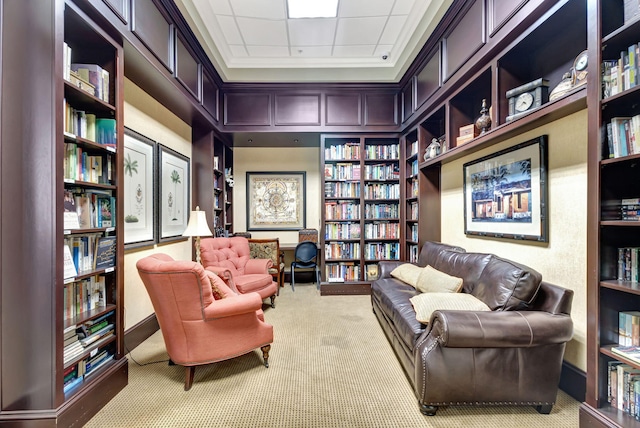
276 159
562 260
145 115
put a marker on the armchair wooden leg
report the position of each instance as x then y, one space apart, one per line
188 377
265 354
273 301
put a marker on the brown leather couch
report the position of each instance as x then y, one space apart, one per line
511 355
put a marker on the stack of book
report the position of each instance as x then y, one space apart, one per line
620 74
624 388
72 346
629 328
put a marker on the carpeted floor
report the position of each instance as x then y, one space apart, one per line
330 366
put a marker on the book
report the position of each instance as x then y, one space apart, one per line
70 269
105 255
83 209
95 75
104 211
71 220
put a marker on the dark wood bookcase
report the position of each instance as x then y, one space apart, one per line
610 181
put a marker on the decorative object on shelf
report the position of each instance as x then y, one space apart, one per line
483 123
527 97
505 193
229 177
466 134
433 149
565 85
276 200
580 69
173 191
197 227
139 196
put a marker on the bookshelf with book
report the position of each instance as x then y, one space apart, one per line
613 227
362 211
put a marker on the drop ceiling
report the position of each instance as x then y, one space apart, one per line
254 41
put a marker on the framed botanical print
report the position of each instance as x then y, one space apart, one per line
173 194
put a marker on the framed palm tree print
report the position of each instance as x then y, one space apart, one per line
139 195
173 194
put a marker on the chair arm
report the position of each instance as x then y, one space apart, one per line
258 266
226 276
385 267
233 305
508 329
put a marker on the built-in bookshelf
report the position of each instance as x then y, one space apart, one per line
362 205
411 195
614 203
227 155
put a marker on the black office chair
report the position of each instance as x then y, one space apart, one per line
306 257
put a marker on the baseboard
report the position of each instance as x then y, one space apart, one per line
140 332
573 381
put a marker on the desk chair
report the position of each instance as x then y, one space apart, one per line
305 257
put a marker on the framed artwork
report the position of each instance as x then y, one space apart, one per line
505 193
173 194
139 196
276 200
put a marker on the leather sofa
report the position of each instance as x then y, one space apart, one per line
509 355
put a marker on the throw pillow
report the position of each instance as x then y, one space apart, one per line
407 273
432 280
426 303
217 294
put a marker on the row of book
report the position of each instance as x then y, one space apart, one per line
623 389
342 190
93 74
413 168
88 252
414 212
620 209
90 209
341 210
342 230
623 136
84 295
382 172
381 211
382 251
413 149
80 165
620 74
85 125
415 188
77 338
383 151
628 260
342 171
382 191
413 233
629 328
342 250
413 252
342 151
383 230
343 271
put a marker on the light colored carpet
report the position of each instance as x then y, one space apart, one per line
330 366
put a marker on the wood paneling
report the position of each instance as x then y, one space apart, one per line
247 109
120 8
381 110
500 11
344 109
292 109
187 69
154 30
407 100
210 95
465 39
428 79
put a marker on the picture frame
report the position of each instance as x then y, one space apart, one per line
276 200
139 190
505 193
173 194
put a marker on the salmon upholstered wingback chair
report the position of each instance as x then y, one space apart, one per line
201 319
231 259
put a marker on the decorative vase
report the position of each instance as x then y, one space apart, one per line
483 123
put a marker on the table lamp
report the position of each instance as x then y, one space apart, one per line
198 227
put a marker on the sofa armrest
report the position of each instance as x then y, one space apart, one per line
385 267
233 305
501 329
258 266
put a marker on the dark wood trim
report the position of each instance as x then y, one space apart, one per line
573 381
140 332
341 289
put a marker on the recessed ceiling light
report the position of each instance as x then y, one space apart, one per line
312 8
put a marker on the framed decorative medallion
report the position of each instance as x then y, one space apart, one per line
276 200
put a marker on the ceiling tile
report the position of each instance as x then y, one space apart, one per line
266 9
356 8
230 30
263 32
238 51
359 31
404 7
220 7
353 51
268 51
392 29
311 51
312 32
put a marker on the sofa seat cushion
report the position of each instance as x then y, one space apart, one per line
252 282
425 304
393 298
432 280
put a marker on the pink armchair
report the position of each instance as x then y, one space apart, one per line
231 259
201 319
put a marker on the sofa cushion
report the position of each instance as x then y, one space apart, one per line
507 285
407 273
432 280
426 303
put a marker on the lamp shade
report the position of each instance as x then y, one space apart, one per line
198 224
